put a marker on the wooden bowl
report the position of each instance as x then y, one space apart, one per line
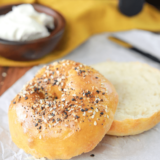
35 49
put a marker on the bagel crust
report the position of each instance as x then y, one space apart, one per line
64 111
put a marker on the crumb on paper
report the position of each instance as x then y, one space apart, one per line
4 74
92 155
138 140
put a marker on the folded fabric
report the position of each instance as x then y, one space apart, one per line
86 18
144 42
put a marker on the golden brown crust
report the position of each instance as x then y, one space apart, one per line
64 111
133 126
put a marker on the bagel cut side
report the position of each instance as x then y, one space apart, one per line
64 111
138 87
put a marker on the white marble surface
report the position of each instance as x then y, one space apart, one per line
97 49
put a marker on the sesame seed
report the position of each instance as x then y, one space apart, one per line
45 120
65 113
84 113
97 91
66 117
45 80
63 77
53 114
41 101
4 74
34 106
50 116
59 79
82 110
95 123
101 113
35 89
96 109
107 116
46 106
40 137
77 117
58 119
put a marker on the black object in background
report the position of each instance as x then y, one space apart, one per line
151 57
131 7
155 3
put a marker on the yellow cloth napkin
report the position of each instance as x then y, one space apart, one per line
85 18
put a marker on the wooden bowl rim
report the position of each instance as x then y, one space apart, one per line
58 29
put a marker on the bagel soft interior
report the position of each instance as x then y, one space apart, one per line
64 111
138 87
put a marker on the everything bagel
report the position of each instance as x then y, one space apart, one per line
64 111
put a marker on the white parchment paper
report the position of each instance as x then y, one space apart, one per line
145 146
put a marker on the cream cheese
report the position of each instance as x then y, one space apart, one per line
24 23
